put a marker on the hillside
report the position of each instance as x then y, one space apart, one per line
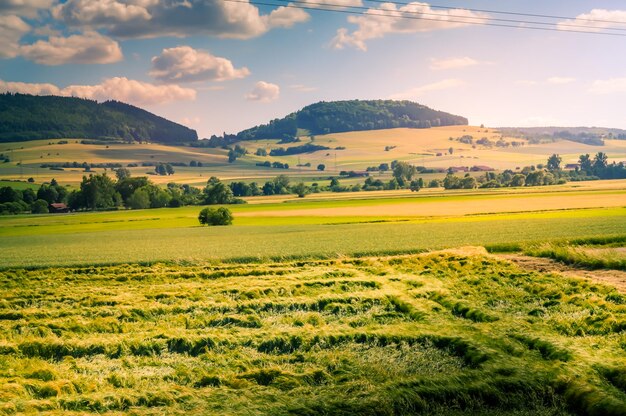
28 117
353 115
593 136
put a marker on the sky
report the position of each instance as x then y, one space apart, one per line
225 65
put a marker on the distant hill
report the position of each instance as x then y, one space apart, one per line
588 135
29 117
354 115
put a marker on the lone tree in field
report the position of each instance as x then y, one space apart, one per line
215 216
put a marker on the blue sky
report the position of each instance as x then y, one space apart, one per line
219 65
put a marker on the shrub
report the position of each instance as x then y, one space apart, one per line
215 216
39 207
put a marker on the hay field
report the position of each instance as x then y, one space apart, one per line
362 149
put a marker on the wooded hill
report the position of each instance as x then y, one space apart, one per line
354 115
28 117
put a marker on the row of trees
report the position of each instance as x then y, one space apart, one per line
15 201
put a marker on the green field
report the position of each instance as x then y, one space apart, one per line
443 333
310 228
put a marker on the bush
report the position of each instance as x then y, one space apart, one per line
39 207
215 216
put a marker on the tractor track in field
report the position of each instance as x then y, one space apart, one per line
615 278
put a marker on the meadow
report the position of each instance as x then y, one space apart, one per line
445 333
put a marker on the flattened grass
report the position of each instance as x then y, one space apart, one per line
418 334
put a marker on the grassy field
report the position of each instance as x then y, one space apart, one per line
300 228
444 333
362 149
288 312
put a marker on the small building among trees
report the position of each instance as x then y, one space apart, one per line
58 208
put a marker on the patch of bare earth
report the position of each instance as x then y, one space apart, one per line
615 278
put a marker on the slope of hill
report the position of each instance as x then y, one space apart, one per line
353 115
28 117
593 136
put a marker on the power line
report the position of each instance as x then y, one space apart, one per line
547 16
404 16
415 12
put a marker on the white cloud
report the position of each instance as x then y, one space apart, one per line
29 88
608 86
607 16
118 88
560 80
152 18
88 48
285 17
264 92
26 8
12 28
450 63
99 13
302 88
376 23
435 86
185 64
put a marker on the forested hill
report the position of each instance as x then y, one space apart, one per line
29 117
353 115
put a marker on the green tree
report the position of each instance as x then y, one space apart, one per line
554 163
215 216
127 186
281 184
216 192
160 169
586 164
98 192
451 182
169 169
122 173
29 196
301 190
403 172
600 161
321 167
415 186
39 207
468 182
140 199
518 180
48 193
